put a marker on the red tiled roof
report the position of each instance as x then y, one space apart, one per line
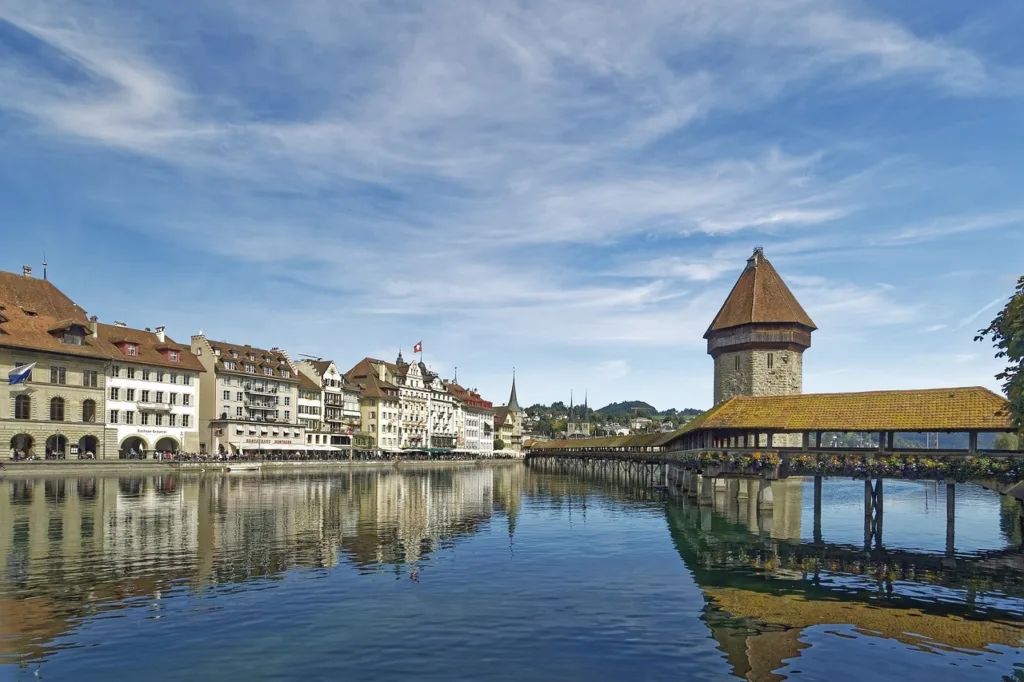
33 310
148 347
759 297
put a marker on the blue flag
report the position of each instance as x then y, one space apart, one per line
21 374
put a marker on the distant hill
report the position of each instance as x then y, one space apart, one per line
625 409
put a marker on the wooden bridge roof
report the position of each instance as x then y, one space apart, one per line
928 410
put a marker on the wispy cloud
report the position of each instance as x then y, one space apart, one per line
592 170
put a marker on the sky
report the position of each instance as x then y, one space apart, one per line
566 187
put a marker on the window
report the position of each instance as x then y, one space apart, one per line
174 398
129 394
160 377
132 349
174 355
188 379
238 411
285 373
131 372
115 371
145 396
23 407
268 371
199 351
58 375
234 353
251 369
144 418
185 399
71 338
172 420
145 375
184 420
287 400
771 360
226 395
159 420
89 411
229 365
159 396
239 396
174 377
129 417
115 393
113 416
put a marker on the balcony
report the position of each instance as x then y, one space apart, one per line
153 406
260 390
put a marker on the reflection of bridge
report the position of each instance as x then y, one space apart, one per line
764 587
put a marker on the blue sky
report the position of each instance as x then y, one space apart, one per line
567 187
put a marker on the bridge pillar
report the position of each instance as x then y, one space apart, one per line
950 518
765 498
817 508
732 502
742 488
707 491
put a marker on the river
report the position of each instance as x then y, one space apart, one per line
495 573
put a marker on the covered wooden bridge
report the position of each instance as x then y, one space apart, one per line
814 423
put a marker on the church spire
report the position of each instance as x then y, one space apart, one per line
513 401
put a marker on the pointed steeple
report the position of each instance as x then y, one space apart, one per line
759 297
513 401
585 406
569 419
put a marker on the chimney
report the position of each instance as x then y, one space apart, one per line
93 327
161 337
26 270
381 374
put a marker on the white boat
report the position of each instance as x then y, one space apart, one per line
244 466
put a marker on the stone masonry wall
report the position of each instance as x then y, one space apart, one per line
754 377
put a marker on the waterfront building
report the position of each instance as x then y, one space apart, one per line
339 402
248 399
152 391
380 406
474 420
758 337
424 416
310 408
58 409
508 421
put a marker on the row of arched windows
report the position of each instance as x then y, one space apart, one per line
23 409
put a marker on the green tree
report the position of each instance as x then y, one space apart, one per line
1007 334
499 444
1008 441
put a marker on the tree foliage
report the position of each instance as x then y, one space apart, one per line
499 444
1007 334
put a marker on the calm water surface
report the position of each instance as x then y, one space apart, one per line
477 573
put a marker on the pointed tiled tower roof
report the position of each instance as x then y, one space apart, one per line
513 401
759 297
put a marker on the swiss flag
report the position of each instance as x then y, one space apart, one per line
418 348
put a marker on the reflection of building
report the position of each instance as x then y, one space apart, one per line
111 538
59 409
249 399
152 391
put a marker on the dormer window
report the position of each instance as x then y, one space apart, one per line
131 350
173 356
71 338
285 374
251 369
229 365
268 371
234 353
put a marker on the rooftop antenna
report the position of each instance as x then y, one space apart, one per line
311 357
44 266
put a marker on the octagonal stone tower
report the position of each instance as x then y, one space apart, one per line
759 336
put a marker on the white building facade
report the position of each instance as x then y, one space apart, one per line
153 392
